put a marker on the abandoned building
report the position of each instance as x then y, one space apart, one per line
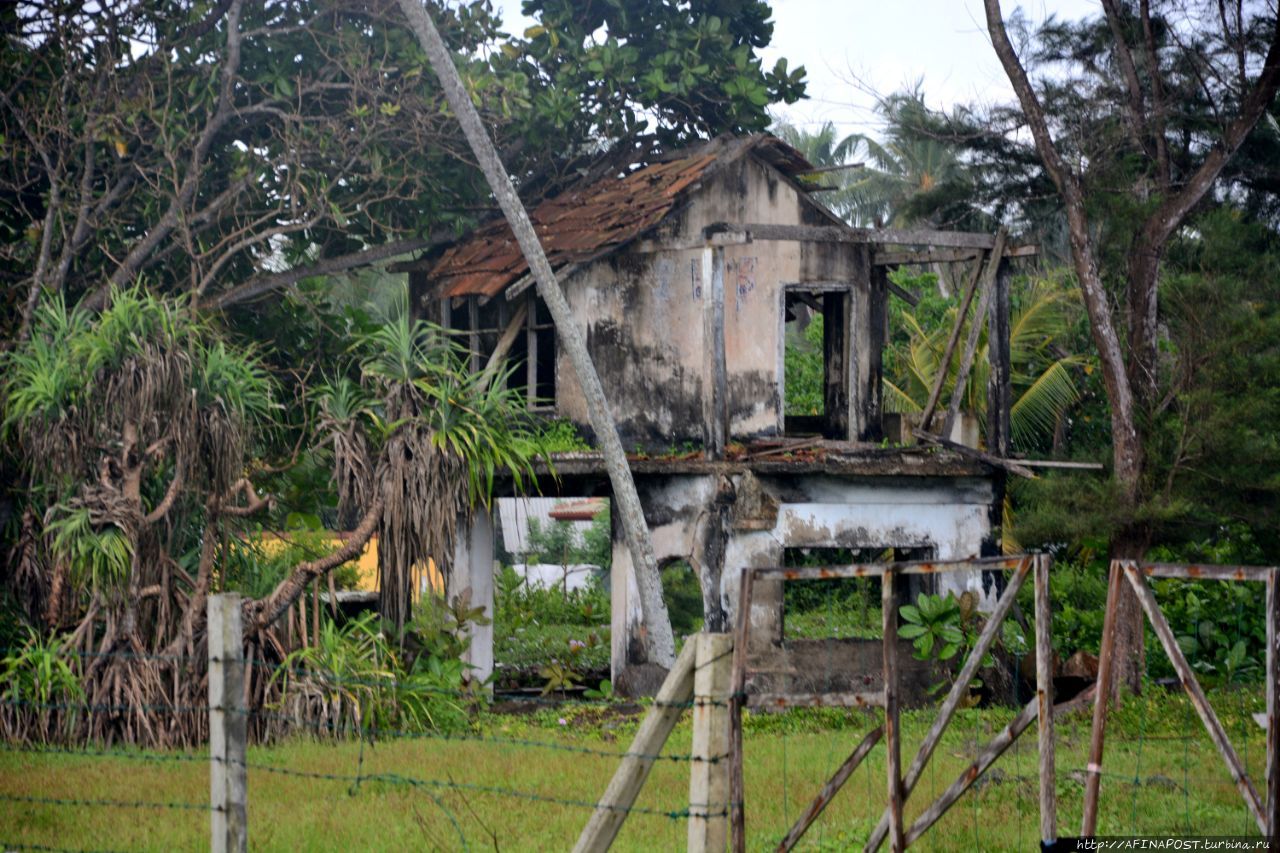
684 276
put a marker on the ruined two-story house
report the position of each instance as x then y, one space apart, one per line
686 277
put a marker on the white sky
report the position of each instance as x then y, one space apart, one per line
885 44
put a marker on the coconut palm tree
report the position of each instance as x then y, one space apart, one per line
1041 376
825 150
911 176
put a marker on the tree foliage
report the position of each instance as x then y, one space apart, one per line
679 70
226 150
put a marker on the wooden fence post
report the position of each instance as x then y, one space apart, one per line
1101 701
892 737
629 778
1044 694
1273 704
228 727
709 768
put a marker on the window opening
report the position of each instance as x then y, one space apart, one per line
843 607
479 324
816 361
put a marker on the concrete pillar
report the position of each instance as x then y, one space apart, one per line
755 550
473 568
626 623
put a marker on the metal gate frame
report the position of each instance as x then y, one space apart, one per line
1266 815
899 787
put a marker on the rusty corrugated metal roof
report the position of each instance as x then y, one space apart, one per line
589 221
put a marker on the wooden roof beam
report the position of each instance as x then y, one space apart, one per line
727 232
935 256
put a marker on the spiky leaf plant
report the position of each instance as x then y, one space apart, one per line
135 426
442 435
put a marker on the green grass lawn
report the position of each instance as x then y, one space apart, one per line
1182 785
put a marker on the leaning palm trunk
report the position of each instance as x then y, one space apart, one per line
654 610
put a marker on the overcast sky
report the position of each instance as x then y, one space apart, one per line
883 45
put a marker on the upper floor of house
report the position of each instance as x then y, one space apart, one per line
688 278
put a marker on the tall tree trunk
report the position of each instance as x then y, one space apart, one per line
1130 661
661 640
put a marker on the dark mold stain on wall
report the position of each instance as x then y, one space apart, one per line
646 388
749 389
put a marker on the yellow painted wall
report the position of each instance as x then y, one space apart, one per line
366 564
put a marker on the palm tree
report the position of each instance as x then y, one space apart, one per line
826 151
421 438
912 175
1041 375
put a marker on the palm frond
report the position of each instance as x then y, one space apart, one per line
1038 408
899 401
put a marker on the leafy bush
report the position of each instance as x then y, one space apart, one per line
518 603
527 649
946 629
40 688
1078 591
1220 625
682 593
803 369
561 436
537 627
354 681
839 617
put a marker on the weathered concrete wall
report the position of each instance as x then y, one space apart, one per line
642 314
946 518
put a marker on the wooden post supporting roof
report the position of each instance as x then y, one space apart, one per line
999 378
935 393
971 343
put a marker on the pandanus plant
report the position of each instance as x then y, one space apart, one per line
421 438
139 431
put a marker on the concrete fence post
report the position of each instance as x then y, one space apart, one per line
228 728
709 769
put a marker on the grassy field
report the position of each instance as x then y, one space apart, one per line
1159 782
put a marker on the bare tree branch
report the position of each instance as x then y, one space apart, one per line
264 284
1135 112
284 595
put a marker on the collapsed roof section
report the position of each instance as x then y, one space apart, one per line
594 219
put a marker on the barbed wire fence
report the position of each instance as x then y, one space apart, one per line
228 807
453 790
